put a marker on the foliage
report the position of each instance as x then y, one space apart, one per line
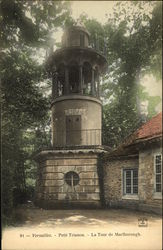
131 41
31 22
25 28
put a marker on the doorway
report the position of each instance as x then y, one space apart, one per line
73 130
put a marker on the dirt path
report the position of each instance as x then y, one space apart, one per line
83 229
28 215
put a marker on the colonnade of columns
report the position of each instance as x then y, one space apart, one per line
64 87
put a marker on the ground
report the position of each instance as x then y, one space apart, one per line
109 229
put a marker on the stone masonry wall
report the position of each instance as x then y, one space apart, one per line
147 196
146 199
113 182
52 189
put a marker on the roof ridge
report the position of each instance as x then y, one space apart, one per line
147 131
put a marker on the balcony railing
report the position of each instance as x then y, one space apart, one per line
37 141
77 137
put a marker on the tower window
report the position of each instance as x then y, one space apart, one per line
72 178
81 40
74 79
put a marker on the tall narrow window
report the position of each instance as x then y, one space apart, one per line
73 130
87 76
130 181
158 173
74 78
81 40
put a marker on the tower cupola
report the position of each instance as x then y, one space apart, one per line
76 105
75 66
75 36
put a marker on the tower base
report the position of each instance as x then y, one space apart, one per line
68 179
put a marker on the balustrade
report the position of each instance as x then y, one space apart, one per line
81 85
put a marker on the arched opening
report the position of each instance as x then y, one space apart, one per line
96 81
61 80
87 78
82 40
74 78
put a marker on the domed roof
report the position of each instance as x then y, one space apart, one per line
77 28
75 36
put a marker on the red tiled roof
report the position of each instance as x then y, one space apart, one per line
148 131
151 128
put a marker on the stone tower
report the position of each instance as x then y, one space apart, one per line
68 172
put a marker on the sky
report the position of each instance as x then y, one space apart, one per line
95 9
99 10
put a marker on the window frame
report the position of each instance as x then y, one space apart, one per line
132 194
82 40
155 174
72 182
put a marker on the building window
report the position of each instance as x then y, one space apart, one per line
81 40
72 178
158 173
130 180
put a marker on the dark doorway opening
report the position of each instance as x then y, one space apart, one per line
73 130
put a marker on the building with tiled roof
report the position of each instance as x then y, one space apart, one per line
149 132
133 171
151 128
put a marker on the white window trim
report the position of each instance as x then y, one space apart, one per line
157 195
129 196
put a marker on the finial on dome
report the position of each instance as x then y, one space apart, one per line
80 23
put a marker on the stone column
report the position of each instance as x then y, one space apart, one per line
80 79
98 85
54 84
93 83
66 80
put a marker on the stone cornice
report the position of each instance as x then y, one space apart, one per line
62 152
77 97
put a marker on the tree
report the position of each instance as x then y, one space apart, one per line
25 28
131 40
